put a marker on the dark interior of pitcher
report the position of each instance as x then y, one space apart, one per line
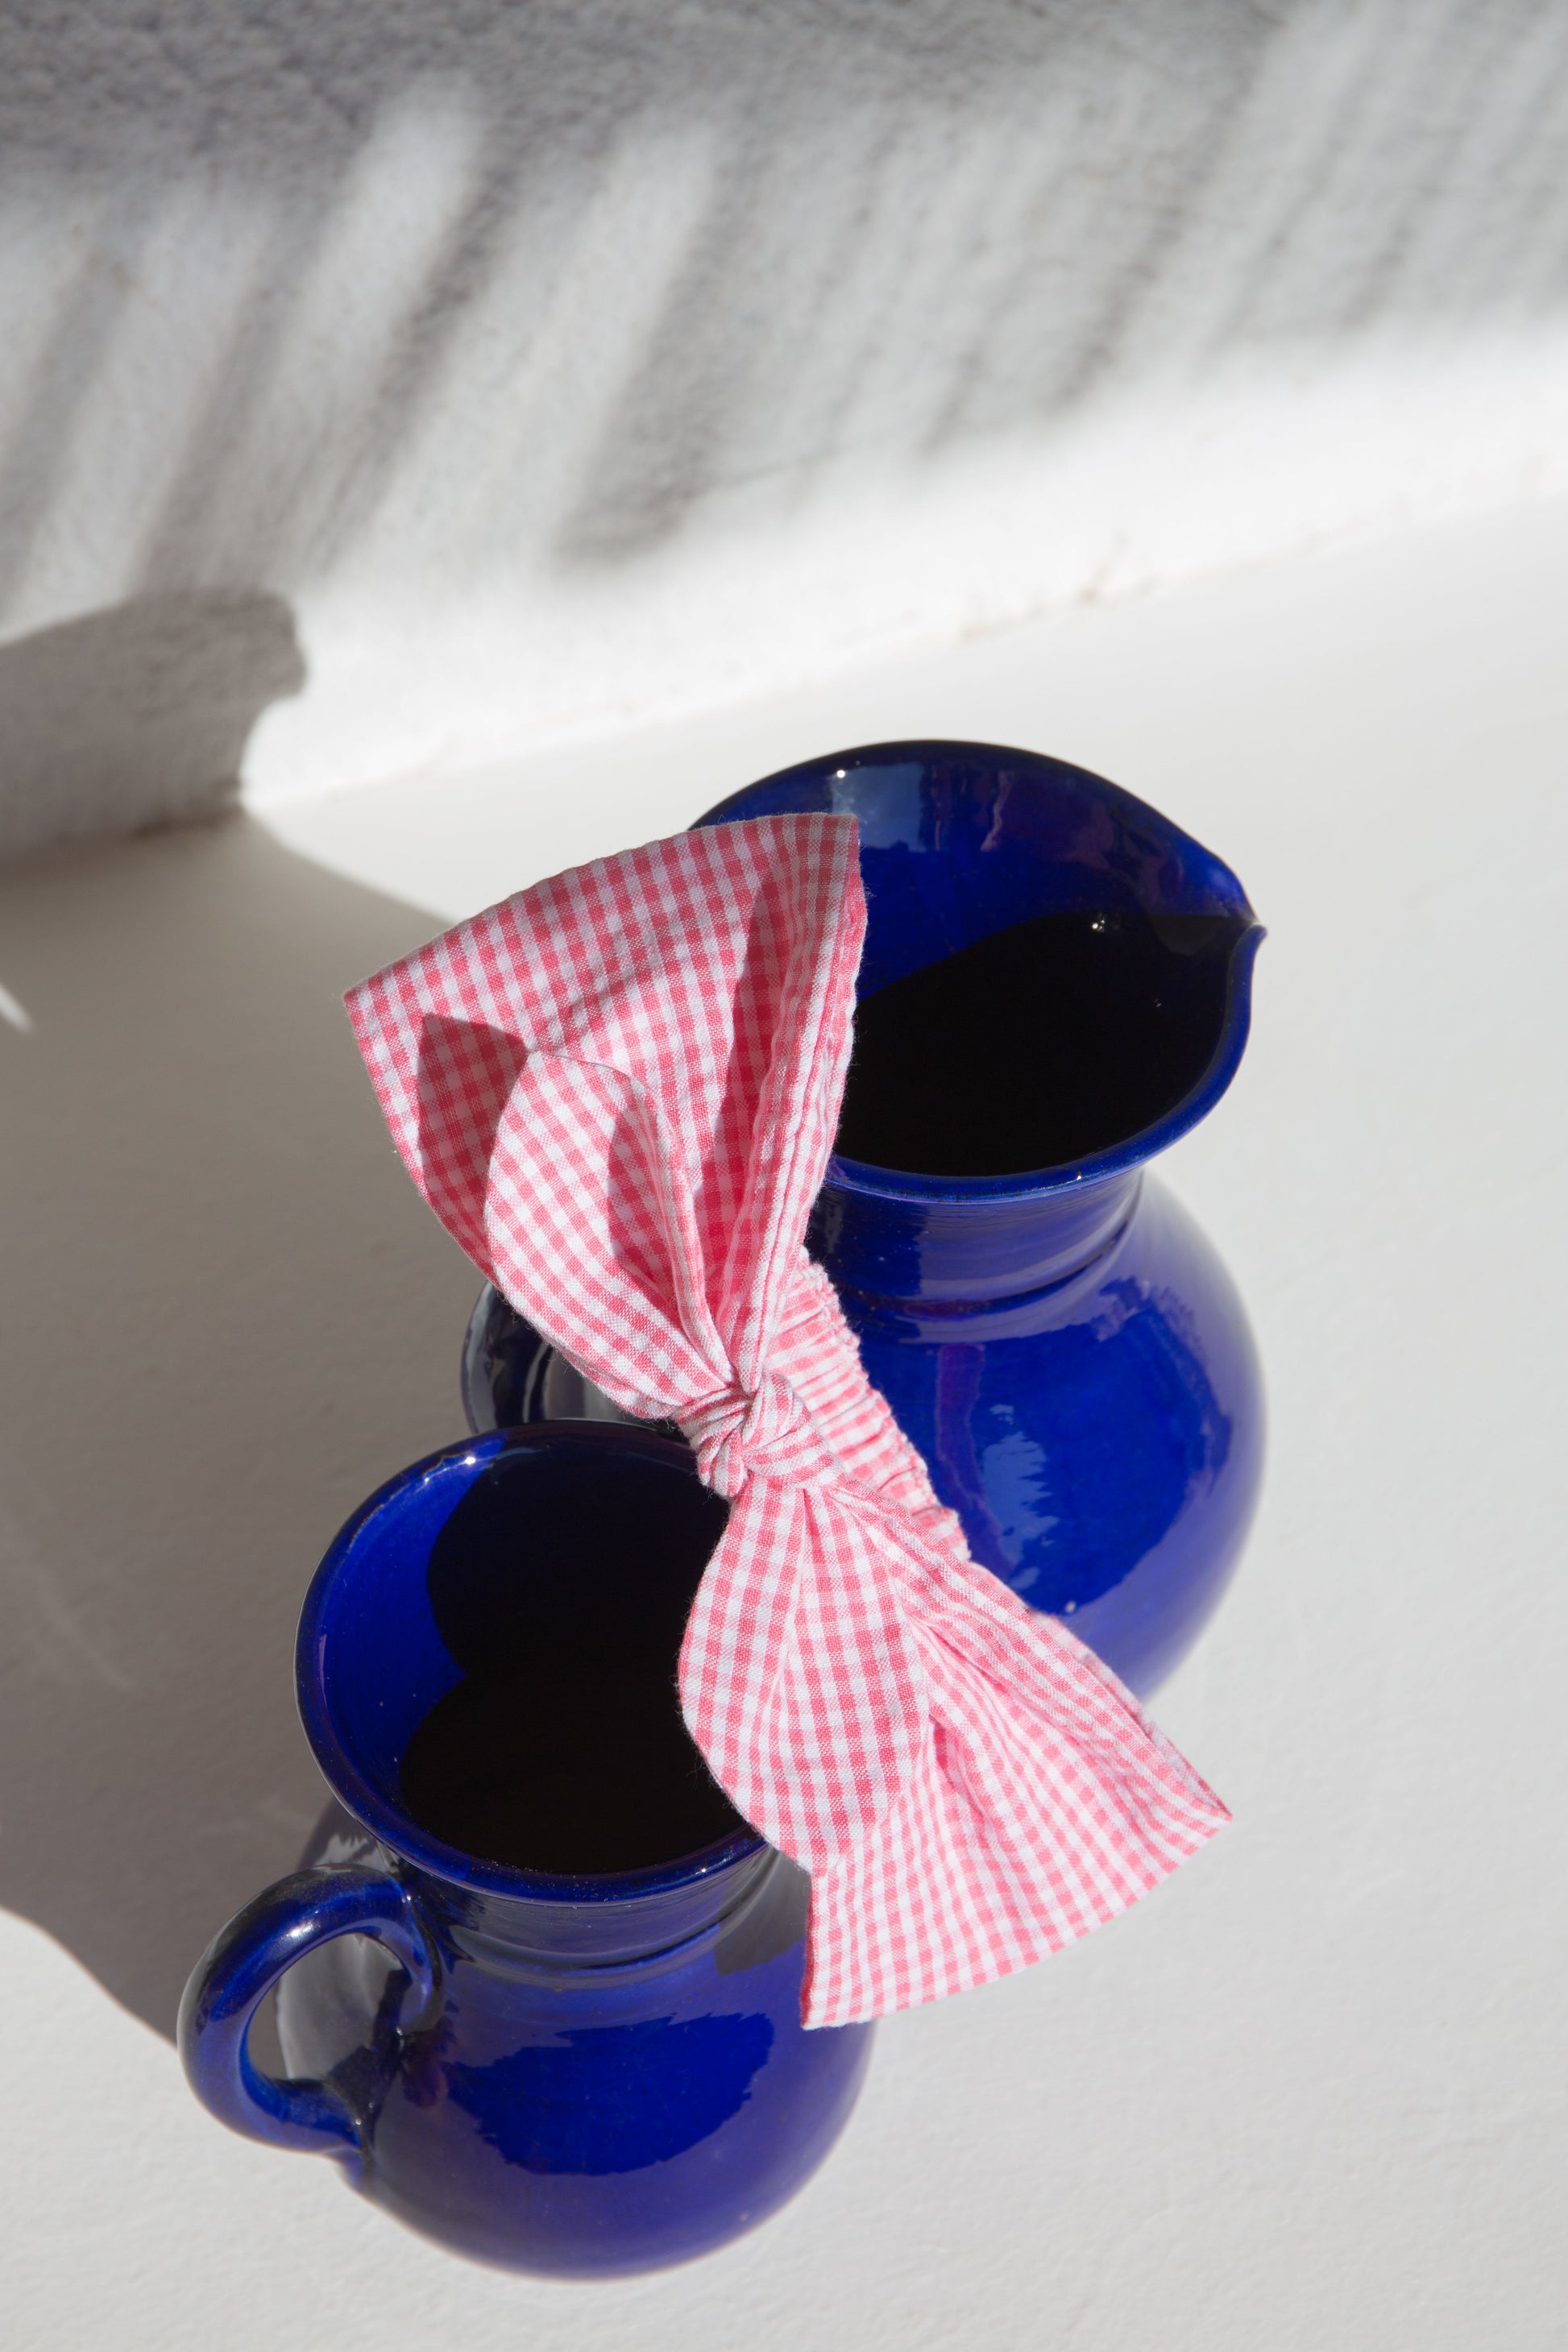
501 1647
1051 970
562 1748
1042 1044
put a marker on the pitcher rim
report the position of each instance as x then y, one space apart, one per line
865 1178
387 1821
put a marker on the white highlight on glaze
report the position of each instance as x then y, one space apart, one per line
16 1013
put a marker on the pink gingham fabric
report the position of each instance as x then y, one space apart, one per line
618 1090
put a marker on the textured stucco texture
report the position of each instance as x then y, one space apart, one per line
388 387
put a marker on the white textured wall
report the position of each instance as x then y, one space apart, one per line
445 381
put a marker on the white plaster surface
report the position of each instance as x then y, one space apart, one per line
448 382
1312 2094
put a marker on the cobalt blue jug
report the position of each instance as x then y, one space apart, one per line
1055 986
577 2074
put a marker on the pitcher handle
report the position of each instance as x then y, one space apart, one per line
240 1969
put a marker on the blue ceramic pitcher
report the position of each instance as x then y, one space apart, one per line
577 2074
1055 1335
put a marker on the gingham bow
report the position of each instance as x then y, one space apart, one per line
618 1090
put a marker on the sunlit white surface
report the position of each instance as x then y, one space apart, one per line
1306 2095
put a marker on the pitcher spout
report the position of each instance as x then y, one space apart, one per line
1056 982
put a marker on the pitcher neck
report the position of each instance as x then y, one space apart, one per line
886 1254
604 1924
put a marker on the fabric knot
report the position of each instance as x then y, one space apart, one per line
766 1432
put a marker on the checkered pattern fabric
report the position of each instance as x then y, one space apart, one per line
618 1090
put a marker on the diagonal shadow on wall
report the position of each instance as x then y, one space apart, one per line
453 284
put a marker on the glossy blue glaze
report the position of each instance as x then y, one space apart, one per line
1100 1436
1064 1346
581 2076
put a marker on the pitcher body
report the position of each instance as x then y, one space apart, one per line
570 2074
